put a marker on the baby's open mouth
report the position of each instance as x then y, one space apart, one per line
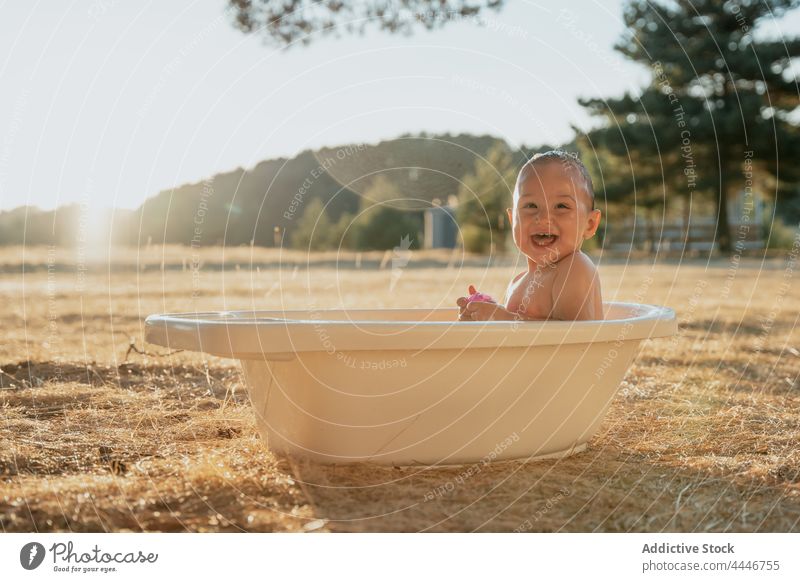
543 239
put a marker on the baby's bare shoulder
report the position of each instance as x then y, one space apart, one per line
510 287
514 282
518 277
576 289
576 267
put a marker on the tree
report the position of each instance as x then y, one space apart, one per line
383 222
628 171
284 22
382 227
719 100
315 231
484 196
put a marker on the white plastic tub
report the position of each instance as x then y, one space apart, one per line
406 386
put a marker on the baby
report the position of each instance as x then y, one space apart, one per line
553 214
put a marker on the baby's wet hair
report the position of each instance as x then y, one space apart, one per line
564 157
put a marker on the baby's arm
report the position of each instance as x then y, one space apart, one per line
486 312
481 307
575 288
479 311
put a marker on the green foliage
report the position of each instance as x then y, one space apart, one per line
302 21
382 227
476 239
316 231
780 235
484 197
591 244
787 203
247 205
716 91
776 232
244 206
381 224
378 226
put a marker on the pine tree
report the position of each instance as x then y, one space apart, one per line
719 100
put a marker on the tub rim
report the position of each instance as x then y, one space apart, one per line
282 334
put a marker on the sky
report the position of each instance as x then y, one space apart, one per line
105 102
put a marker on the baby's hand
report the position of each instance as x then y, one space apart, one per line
474 297
483 311
462 303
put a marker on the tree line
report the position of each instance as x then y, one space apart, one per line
717 117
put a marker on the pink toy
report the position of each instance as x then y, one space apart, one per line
475 296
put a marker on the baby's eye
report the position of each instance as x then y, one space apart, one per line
529 205
562 205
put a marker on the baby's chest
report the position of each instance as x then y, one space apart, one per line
532 296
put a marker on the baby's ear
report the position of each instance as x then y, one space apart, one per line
593 223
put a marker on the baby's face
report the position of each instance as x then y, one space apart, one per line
552 213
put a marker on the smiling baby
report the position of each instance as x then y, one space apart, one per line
553 215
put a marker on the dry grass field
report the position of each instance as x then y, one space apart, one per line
704 434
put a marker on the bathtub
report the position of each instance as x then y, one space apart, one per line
413 386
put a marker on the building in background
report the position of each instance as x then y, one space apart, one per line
441 229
